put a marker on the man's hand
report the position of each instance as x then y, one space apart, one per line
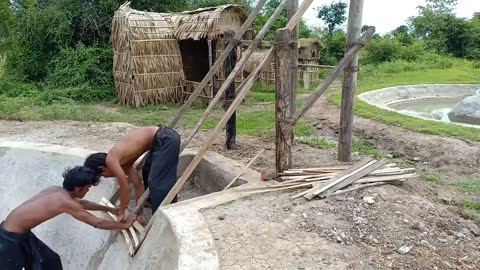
115 211
129 221
141 219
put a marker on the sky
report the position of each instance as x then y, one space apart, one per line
386 15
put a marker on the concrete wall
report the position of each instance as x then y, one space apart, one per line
27 169
386 96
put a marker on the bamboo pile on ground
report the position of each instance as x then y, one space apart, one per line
330 181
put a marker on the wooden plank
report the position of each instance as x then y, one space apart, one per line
349 83
243 169
136 224
131 249
344 175
278 11
371 179
292 9
348 180
283 101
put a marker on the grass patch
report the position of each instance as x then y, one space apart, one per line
317 142
3 60
473 209
469 186
458 74
364 148
432 177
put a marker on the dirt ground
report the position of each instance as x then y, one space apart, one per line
418 225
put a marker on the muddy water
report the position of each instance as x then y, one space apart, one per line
434 108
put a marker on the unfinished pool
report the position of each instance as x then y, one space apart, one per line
178 239
454 103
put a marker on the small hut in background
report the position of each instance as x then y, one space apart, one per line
308 57
147 63
161 57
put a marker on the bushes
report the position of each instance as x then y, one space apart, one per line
87 69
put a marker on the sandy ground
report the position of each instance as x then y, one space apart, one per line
418 225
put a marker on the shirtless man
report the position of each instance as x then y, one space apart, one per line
159 171
21 249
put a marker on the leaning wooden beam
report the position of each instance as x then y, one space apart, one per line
131 249
198 157
239 66
243 170
219 62
334 74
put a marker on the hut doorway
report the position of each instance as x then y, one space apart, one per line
196 58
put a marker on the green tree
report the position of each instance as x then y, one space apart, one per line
333 15
269 9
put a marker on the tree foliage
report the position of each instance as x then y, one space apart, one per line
333 15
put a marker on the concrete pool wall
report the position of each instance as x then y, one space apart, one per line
383 98
179 237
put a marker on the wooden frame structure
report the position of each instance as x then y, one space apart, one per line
285 52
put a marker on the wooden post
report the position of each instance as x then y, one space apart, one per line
349 83
306 78
283 100
228 66
210 63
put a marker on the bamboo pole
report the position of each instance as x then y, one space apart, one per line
349 83
243 170
218 63
235 71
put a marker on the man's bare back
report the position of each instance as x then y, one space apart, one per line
45 205
132 146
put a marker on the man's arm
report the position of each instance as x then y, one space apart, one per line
136 181
76 210
114 165
88 205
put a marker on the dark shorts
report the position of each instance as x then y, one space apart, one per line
25 251
160 169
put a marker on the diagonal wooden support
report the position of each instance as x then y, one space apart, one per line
248 83
218 63
238 67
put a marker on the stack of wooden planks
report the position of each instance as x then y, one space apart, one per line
330 181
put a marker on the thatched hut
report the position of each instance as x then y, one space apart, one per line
158 57
308 49
147 64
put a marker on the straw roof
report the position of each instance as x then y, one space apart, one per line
307 42
147 63
209 22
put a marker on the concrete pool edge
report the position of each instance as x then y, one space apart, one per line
190 242
383 97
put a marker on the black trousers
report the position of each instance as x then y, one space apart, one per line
160 169
26 251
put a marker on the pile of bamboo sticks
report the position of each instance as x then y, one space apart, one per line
335 180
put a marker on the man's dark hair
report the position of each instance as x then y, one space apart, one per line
79 176
95 160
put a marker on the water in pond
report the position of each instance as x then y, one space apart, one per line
434 108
